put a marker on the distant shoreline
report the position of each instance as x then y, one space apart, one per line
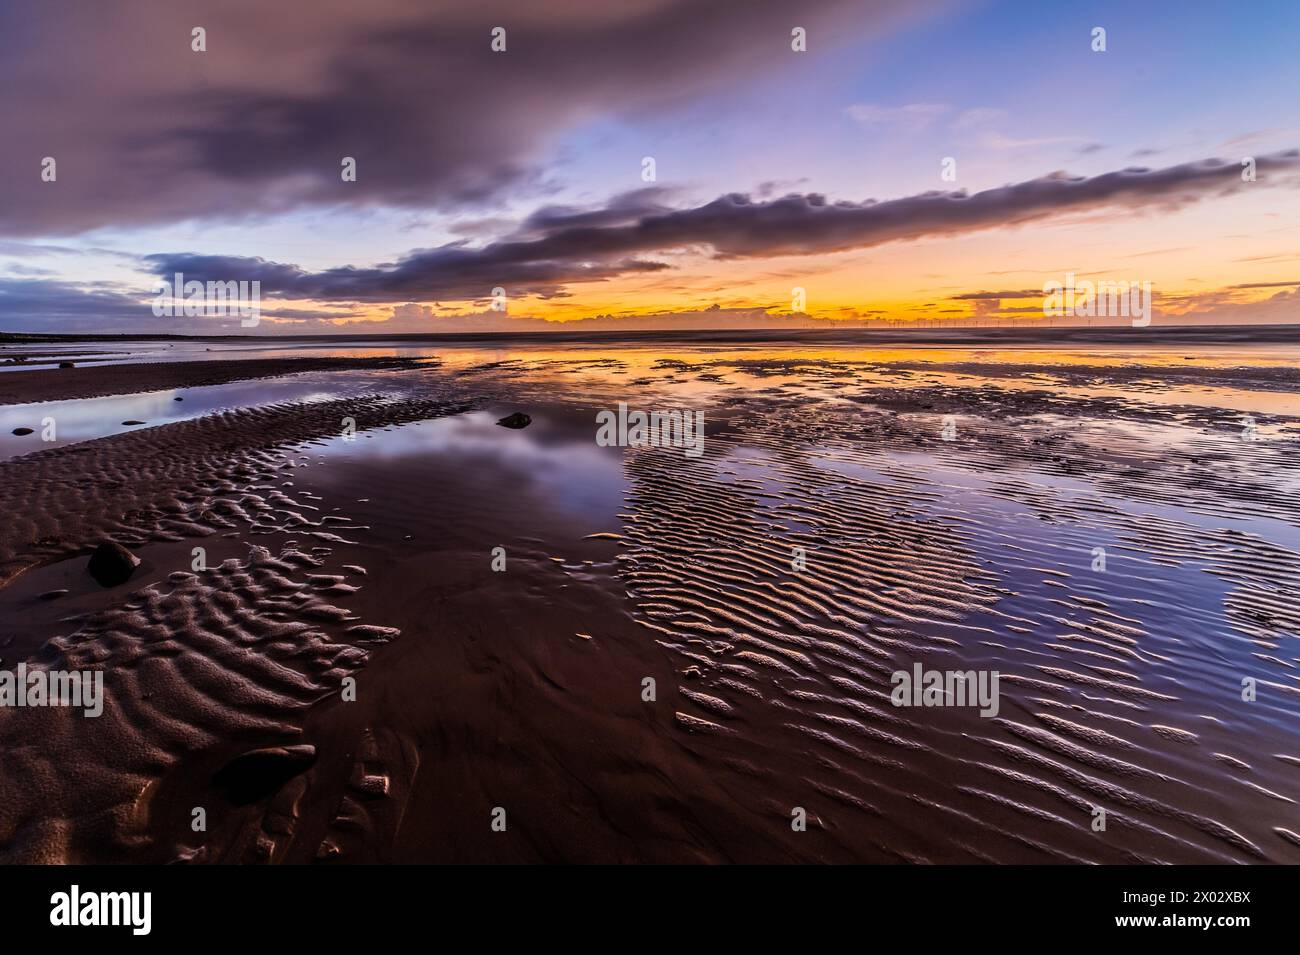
1119 335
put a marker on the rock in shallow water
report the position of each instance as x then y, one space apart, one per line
112 564
516 421
22 431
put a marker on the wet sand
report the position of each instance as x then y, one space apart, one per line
371 557
93 381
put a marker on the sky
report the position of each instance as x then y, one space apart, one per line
645 163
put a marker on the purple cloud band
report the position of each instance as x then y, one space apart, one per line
559 247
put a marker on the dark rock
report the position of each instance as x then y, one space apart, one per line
112 564
517 420
260 772
53 594
67 364
22 431
178 399
132 421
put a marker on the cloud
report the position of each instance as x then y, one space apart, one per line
912 116
145 130
979 119
1260 136
1000 141
45 305
996 296
421 319
557 247
455 272
978 116
1220 308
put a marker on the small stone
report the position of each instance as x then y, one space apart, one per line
516 421
53 594
21 432
132 421
112 564
372 785
67 364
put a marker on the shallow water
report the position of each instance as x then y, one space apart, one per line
84 419
1120 688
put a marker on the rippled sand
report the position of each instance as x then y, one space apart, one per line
948 506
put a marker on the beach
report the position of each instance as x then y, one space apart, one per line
416 635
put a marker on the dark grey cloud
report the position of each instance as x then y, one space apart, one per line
455 272
994 296
146 130
63 307
622 210
567 246
45 305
